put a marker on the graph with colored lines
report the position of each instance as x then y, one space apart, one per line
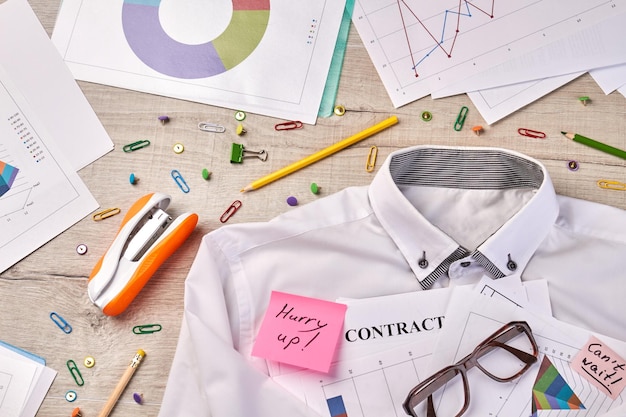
261 56
419 46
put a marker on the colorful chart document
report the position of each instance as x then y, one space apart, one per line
43 195
265 57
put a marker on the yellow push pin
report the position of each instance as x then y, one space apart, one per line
240 130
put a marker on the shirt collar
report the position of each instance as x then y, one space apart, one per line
428 250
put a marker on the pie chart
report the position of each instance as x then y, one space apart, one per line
158 50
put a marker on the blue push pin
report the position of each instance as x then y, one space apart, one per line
132 179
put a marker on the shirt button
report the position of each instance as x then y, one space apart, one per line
422 262
511 264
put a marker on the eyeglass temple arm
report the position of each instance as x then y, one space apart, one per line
431 407
520 354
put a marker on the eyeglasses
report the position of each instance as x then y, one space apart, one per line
503 356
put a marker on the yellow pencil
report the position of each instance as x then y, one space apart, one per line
320 154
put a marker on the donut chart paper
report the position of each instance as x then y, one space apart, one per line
261 56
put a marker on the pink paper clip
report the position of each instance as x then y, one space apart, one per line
531 133
296 124
230 211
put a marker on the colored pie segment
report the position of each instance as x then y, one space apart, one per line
551 391
155 48
7 176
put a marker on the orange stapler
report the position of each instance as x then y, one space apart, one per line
146 238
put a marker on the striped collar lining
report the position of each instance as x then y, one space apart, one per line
465 169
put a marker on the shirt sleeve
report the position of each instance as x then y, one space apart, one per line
209 377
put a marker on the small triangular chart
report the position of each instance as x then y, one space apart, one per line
551 392
7 176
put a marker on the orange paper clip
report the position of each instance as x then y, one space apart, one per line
230 211
296 124
531 133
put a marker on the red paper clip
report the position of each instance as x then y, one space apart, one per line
230 211
531 133
296 124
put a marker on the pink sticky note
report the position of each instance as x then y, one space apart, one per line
300 331
601 366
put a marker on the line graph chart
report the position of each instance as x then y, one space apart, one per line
451 23
420 46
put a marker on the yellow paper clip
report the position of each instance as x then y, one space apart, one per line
612 185
101 215
371 159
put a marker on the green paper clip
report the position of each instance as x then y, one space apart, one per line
238 153
136 145
147 328
458 125
78 378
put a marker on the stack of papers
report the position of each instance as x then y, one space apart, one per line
24 382
392 343
503 54
48 132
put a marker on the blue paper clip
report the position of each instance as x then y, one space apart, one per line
78 378
180 181
460 119
60 321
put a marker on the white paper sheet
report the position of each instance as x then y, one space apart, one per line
596 46
206 51
610 78
441 57
35 67
24 383
496 103
42 194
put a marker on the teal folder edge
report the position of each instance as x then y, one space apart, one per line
24 353
327 105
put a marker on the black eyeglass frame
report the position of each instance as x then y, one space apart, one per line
425 389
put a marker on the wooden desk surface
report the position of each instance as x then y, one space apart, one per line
54 278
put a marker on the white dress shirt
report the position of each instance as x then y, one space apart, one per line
432 217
